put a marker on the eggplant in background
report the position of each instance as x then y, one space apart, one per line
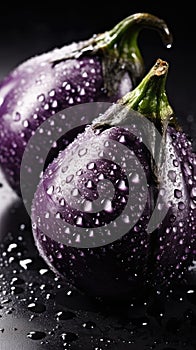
102 68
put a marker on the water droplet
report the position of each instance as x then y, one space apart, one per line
24 263
52 93
43 271
11 247
122 139
126 219
75 192
47 215
108 206
69 337
79 221
46 107
37 307
193 192
64 169
82 92
89 184
190 291
68 87
16 281
82 152
177 193
181 206
71 101
101 177
122 185
41 98
35 335
175 162
65 315
54 104
84 75
17 117
58 215
50 190
91 166
25 123
88 206
62 202
135 178
69 178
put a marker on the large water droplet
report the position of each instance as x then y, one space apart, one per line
50 190
35 335
65 315
69 337
37 307
177 193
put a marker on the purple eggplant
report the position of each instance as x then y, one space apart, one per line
140 256
102 68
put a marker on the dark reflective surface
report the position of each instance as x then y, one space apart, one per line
39 311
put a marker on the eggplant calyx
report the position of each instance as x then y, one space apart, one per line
121 43
149 99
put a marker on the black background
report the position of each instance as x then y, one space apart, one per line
31 30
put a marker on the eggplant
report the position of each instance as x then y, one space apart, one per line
114 250
102 68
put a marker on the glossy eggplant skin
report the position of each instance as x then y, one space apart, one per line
102 68
112 270
140 257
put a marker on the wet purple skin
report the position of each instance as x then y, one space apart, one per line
175 238
95 70
139 257
115 269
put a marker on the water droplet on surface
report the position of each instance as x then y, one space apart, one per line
25 263
75 192
91 166
25 123
35 335
43 271
69 337
79 221
89 184
16 280
37 307
175 162
17 117
65 315
11 247
122 139
69 178
88 206
135 178
54 104
41 98
82 152
177 193
50 190
122 185
108 206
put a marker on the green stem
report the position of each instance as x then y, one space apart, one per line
123 39
119 49
149 98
